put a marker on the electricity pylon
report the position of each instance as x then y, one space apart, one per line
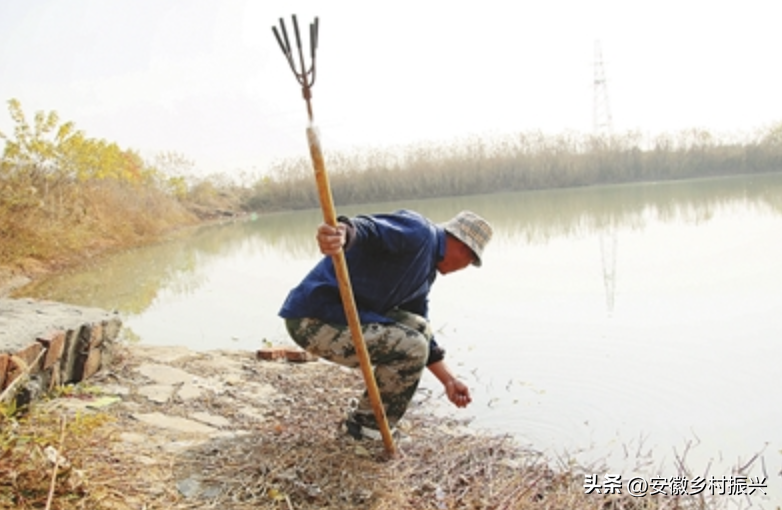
603 126
601 116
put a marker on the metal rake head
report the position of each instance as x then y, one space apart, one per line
305 77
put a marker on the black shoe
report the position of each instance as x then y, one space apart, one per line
360 432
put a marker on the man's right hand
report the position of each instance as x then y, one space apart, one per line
331 239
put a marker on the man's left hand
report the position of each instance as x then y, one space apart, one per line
458 393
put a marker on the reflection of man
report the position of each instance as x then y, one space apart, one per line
393 260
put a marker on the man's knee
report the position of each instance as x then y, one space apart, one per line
412 321
395 343
417 347
295 332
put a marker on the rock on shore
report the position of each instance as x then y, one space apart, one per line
44 344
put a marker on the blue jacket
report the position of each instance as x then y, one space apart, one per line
392 262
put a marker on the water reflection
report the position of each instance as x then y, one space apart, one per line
132 280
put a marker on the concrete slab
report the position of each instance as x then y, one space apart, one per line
165 374
23 320
211 419
175 423
159 393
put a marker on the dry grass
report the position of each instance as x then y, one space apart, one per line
107 214
296 458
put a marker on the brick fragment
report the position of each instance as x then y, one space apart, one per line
299 356
92 364
16 367
96 335
54 343
4 362
29 355
270 354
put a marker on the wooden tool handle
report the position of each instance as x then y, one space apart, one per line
346 291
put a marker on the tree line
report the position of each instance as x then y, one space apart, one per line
519 162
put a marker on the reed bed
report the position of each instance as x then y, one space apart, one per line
519 162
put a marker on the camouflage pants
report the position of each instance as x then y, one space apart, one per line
398 352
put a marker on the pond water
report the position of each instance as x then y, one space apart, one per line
628 324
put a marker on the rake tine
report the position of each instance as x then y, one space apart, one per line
285 33
313 39
286 48
305 77
304 72
296 31
313 49
279 41
302 77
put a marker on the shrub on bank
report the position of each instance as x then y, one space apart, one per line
63 194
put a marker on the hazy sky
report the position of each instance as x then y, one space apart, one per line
206 78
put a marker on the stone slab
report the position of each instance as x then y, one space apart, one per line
22 321
211 419
165 374
159 393
189 391
174 423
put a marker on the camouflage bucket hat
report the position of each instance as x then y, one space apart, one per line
472 230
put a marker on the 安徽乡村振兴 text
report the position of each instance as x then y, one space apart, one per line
639 486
